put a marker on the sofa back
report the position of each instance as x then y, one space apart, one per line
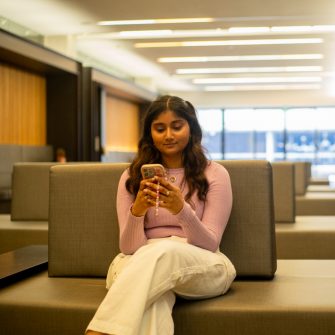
284 191
302 175
30 191
84 234
13 153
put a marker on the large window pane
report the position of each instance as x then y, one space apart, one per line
211 121
300 126
239 134
269 130
297 134
325 135
254 134
325 142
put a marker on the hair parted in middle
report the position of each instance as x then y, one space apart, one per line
194 159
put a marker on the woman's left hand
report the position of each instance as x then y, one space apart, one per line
170 196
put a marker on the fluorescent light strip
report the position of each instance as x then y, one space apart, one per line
228 42
155 21
234 31
248 80
282 29
237 58
304 29
143 33
262 87
250 69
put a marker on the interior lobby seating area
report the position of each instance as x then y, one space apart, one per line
75 81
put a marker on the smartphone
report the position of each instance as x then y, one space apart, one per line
152 170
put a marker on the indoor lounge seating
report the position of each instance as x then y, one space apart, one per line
28 221
11 154
299 236
267 296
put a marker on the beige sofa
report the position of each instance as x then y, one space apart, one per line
11 154
311 202
297 236
83 239
28 221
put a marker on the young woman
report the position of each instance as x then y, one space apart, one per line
170 227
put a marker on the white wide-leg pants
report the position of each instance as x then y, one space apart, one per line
141 296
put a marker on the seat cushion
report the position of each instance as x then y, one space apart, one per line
299 300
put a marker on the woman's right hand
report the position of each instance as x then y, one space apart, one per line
143 201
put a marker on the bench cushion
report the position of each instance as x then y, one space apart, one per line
299 300
316 203
17 234
311 237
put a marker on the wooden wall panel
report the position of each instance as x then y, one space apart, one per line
22 107
122 125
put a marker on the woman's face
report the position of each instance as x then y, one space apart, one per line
170 134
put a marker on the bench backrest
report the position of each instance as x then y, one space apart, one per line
84 234
30 191
302 175
13 153
284 191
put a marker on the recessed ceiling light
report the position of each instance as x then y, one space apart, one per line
238 58
218 32
303 29
146 33
228 43
250 69
248 80
262 87
155 21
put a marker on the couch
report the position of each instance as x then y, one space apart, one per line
267 296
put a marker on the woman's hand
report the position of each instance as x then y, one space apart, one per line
170 196
142 202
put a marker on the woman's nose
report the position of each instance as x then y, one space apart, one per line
169 133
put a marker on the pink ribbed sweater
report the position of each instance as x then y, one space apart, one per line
202 227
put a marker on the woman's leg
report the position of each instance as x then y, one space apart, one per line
152 271
157 318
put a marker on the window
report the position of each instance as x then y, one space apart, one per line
273 134
254 134
211 121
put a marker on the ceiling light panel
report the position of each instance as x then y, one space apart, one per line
218 32
155 21
262 87
248 80
238 58
228 43
272 69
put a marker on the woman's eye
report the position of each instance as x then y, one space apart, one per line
178 127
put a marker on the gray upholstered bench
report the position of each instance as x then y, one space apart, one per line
311 203
28 221
299 237
83 238
316 203
11 154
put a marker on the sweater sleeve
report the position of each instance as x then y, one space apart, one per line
131 227
207 232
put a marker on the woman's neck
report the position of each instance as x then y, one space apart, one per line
173 163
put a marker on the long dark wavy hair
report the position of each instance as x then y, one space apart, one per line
194 159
